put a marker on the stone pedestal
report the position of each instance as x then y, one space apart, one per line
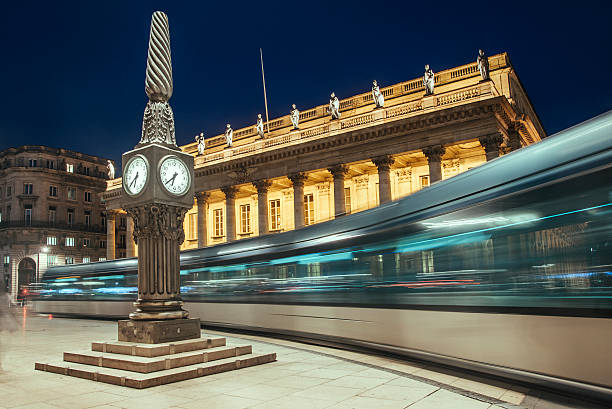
155 332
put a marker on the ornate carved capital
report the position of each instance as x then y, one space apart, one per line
262 185
158 221
338 171
111 213
514 135
383 163
491 143
229 192
297 178
434 153
158 124
202 197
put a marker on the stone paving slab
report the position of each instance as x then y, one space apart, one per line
280 384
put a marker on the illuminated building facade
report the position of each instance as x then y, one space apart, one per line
50 212
330 167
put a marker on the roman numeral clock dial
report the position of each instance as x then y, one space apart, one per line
136 175
174 175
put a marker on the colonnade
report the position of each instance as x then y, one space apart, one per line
339 174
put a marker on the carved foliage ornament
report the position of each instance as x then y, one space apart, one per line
158 124
158 220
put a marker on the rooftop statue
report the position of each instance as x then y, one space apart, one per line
260 126
110 169
428 81
334 106
158 119
483 65
379 98
295 116
229 134
201 143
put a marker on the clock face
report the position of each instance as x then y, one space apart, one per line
174 175
136 175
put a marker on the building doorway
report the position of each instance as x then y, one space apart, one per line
26 273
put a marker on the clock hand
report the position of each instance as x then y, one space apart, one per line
134 180
172 178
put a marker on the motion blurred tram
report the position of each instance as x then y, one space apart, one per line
504 269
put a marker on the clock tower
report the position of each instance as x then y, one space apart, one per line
157 192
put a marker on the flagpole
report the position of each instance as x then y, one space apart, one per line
263 78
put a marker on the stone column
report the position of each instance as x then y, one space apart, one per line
298 198
514 137
230 212
111 217
434 157
491 144
383 163
262 187
202 200
339 173
158 229
130 245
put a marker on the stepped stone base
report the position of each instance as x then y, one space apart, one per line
155 332
138 365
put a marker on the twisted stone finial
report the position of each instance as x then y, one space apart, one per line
158 83
158 119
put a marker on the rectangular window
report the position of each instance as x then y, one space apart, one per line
7 260
245 218
88 196
103 220
51 259
275 214
0 215
8 213
9 191
424 181
86 259
50 164
53 191
122 222
122 241
32 163
69 241
102 244
71 193
27 214
28 188
309 209
347 200
192 226
69 260
70 218
218 213
102 259
52 214
87 218
70 167
51 241
86 243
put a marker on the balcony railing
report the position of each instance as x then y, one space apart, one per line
93 228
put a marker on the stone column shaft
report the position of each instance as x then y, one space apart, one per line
298 198
111 217
339 173
434 157
491 144
130 245
262 187
230 210
158 229
383 163
202 201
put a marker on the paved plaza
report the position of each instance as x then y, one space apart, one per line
304 376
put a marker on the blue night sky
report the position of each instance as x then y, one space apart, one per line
73 72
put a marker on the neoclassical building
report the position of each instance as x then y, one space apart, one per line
50 211
328 167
